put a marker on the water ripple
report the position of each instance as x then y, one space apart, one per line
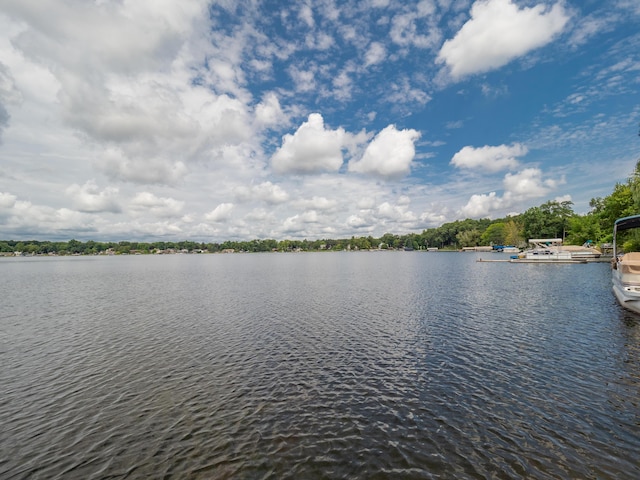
401 365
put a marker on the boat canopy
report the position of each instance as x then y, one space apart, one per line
627 222
621 224
546 241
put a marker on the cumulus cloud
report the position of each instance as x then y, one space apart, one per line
34 220
267 192
311 149
269 112
122 75
318 203
116 165
198 96
529 184
306 224
397 213
89 198
488 158
147 202
389 155
518 187
497 33
7 200
481 205
356 221
221 213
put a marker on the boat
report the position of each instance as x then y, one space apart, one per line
626 267
506 249
546 250
587 250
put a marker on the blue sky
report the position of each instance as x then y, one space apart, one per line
147 119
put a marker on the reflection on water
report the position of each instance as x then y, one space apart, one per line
329 365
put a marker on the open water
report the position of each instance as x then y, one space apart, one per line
356 365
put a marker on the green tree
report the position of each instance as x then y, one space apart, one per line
583 228
513 232
634 184
551 219
494 234
618 204
468 238
389 239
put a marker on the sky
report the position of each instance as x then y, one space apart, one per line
236 120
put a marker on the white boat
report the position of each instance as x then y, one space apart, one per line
584 251
510 249
626 267
506 249
546 250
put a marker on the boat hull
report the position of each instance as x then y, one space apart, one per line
626 299
546 255
627 292
626 267
548 260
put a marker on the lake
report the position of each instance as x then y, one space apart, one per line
353 365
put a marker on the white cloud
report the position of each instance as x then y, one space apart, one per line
147 202
301 223
116 165
31 220
482 205
121 74
7 200
434 217
175 108
403 93
311 149
221 213
319 41
563 198
376 53
89 198
519 187
488 158
389 154
497 33
318 203
259 215
528 184
267 192
356 221
269 112
405 31
590 26
397 213
305 80
306 15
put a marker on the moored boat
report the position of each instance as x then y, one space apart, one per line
626 267
546 250
585 251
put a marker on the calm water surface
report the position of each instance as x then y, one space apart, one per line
319 365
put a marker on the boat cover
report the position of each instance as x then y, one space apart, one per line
628 222
630 263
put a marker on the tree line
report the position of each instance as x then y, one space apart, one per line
552 219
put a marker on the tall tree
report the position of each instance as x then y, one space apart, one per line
494 234
513 232
551 219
